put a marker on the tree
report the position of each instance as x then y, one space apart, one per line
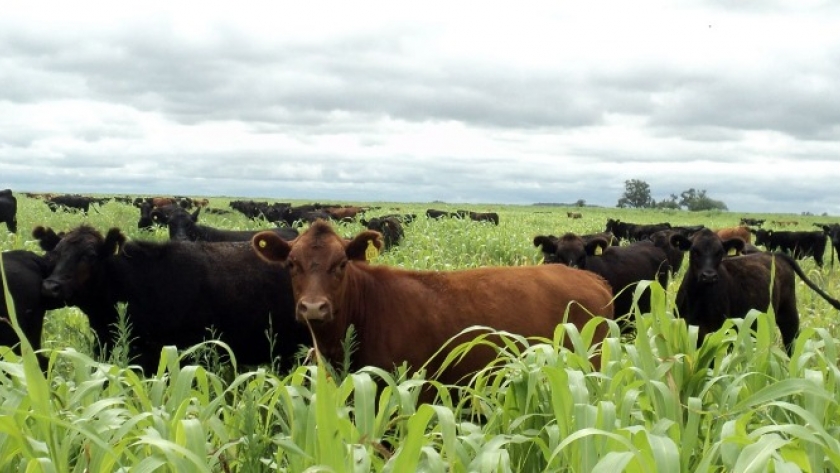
636 194
669 203
695 200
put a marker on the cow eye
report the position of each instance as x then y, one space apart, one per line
339 267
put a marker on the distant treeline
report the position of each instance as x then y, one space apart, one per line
563 204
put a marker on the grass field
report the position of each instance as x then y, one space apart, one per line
656 402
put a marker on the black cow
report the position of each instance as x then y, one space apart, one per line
73 202
151 215
798 244
621 266
434 213
402 218
754 222
25 272
177 293
662 240
8 209
184 226
716 287
484 217
832 231
634 231
390 228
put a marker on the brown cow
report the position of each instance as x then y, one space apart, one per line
403 315
574 214
741 231
343 213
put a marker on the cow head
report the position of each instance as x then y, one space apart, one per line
548 243
706 251
570 249
762 237
182 225
76 256
317 261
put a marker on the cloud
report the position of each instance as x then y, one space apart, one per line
376 101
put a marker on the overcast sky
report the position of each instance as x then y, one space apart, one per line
382 101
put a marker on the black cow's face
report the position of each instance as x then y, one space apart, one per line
571 254
182 226
76 258
706 252
762 237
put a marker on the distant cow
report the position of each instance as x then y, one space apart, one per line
177 293
406 316
832 231
390 228
25 271
741 232
716 287
798 244
345 213
402 218
634 231
434 213
8 209
492 217
574 215
754 222
184 226
73 202
621 266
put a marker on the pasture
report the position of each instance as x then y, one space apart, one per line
656 402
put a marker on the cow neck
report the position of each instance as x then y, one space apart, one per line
709 301
99 297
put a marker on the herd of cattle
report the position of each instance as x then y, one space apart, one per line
266 293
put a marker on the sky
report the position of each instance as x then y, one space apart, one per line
461 102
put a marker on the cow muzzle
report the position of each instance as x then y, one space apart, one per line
52 289
708 277
314 311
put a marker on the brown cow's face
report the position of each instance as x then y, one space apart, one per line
76 257
317 262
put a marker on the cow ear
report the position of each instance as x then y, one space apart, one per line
596 246
114 242
355 250
46 237
546 242
194 215
270 247
681 242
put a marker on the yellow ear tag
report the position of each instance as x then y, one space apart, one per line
599 251
371 252
732 252
262 244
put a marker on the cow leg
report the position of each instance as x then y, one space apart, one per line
787 318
